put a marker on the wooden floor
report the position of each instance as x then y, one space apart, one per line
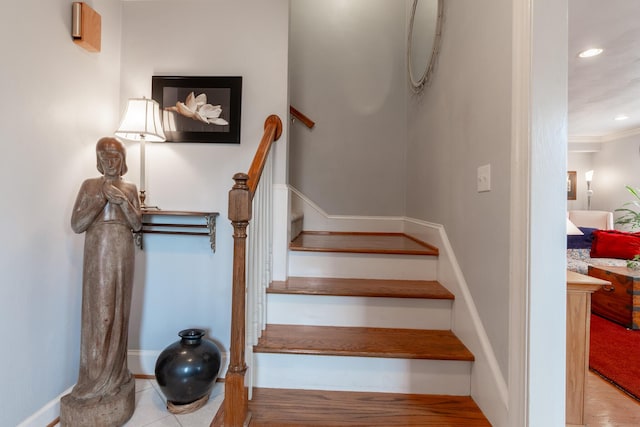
430 289
607 406
366 342
380 243
277 407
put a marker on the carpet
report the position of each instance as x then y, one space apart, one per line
614 354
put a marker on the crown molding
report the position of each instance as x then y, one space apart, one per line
604 138
584 147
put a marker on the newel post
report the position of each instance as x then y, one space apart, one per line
236 397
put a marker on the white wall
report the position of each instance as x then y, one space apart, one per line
544 260
460 122
582 162
58 101
62 99
179 282
502 63
347 71
616 165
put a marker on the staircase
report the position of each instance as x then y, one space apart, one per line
359 334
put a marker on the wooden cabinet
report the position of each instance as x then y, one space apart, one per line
579 290
619 302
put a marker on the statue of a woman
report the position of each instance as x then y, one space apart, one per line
107 210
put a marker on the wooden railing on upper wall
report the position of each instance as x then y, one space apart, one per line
241 198
304 119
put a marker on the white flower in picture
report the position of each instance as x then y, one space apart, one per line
196 108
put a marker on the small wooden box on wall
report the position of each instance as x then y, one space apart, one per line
86 26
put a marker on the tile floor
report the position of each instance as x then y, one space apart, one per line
151 409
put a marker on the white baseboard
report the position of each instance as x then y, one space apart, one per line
315 219
140 362
47 414
488 385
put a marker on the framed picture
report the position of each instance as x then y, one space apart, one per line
571 185
199 109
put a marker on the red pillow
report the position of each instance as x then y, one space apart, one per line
615 244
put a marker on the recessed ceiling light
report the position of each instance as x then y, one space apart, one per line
621 117
590 52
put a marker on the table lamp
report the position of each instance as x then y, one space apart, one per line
141 122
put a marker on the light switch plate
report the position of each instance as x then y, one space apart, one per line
484 178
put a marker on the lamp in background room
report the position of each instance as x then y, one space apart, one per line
141 122
588 176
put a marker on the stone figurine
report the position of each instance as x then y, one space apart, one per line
107 210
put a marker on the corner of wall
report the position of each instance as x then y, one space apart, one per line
47 414
488 386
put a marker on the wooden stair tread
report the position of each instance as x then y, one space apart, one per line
284 407
372 243
361 287
365 342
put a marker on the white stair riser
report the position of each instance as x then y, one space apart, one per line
358 311
364 266
371 374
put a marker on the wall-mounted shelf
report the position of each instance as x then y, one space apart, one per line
182 223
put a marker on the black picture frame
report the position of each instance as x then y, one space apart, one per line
225 92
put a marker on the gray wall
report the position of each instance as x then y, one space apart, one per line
460 122
181 275
63 99
347 73
59 100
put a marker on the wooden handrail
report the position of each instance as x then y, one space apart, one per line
304 119
240 210
272 132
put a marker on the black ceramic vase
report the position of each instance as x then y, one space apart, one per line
187 369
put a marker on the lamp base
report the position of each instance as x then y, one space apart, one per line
143 206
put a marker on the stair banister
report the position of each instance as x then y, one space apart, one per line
302 117
240 214
272 132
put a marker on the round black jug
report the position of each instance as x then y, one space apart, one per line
187 369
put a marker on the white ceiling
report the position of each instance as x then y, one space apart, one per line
607 85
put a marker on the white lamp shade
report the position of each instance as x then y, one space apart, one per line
141 120
588 176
